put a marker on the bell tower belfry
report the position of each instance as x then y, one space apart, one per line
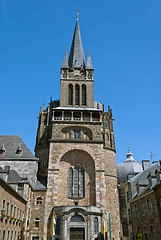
76 76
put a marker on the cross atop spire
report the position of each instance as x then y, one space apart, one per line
77 9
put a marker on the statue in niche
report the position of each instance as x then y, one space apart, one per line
89 75
65 74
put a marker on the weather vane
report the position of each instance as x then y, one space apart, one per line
77 9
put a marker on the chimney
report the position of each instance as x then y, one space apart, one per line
155 162
145 164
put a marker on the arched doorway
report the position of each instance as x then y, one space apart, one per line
77 227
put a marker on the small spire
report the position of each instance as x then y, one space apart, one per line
129 155
65 60
51 99
128 149
89 61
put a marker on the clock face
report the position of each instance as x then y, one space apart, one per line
77 72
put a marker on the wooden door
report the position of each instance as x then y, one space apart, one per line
77 234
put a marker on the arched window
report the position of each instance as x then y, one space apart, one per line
37 220
70 182
81 182
70 96
39 201
77 94
95 225
77 218
84 95
149 206
76 182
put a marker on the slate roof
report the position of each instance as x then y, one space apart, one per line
142 176
76 56
13 177
12 143
39 186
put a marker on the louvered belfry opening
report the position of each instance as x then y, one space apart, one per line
77 94
70 97
84 95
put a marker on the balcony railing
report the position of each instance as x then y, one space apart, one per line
76 119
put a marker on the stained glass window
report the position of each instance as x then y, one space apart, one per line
76 182
77 218
70 182
82 182
95 225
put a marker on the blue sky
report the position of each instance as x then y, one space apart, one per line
124 37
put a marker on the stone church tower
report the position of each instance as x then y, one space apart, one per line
76 148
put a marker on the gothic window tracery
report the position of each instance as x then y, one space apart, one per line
76 182
70 96
77 94
84 94
70 182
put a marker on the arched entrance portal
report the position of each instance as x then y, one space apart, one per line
77 227
77 222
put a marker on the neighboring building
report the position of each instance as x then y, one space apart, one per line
126 171
18 171
138 191
15 154
76 150
145 215
13 208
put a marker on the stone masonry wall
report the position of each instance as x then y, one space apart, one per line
25 168
105 179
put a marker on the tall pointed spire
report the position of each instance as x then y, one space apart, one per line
76 57
89 61
65 60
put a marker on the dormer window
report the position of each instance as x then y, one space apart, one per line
19 150
2 150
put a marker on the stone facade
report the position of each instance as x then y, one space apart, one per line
76 150
145 216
